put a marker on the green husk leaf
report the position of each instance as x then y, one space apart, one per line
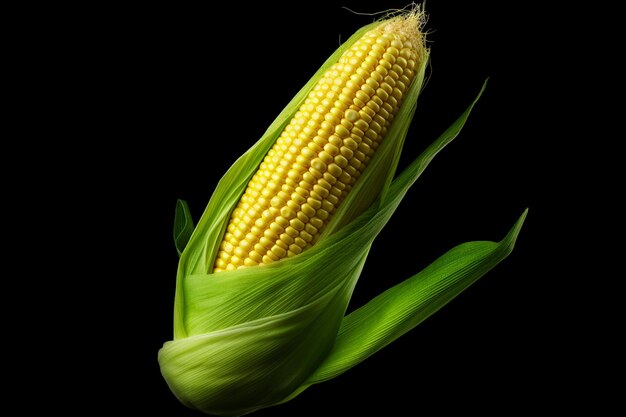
399 309
183 226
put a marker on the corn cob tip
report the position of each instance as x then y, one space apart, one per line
409 24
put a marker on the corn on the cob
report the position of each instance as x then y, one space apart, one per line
323 150
257 337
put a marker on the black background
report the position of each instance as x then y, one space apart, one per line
153 76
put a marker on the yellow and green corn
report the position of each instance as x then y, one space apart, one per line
322 151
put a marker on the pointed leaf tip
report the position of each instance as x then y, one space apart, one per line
183 226
399 309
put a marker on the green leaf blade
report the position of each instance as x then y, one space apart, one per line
183 226
399 309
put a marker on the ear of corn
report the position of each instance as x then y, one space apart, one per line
251 337
322 152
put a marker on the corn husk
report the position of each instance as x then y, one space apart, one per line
256 337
